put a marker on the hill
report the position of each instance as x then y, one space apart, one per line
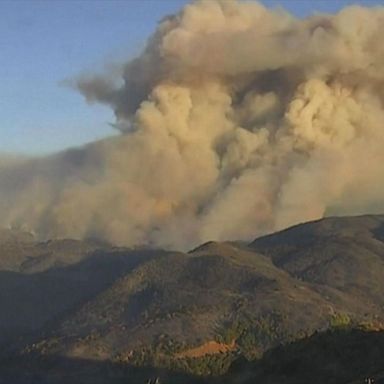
197 312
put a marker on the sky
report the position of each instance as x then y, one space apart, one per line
44 43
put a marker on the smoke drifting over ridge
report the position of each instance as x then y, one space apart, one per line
235 121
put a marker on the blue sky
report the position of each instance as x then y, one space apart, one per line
43 42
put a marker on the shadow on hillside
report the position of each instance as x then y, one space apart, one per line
31 301
332 357
61 370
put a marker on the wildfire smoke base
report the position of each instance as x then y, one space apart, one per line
235 121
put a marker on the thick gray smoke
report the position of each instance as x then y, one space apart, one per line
235 121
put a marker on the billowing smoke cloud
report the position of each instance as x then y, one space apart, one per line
235 121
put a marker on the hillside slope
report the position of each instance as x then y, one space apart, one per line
199 311
343 255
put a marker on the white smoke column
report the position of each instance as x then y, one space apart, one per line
235 121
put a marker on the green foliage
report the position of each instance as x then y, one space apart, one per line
253 334
214 364
336 356
340 320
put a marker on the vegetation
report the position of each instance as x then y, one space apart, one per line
336 356
302 302
340 320
253 334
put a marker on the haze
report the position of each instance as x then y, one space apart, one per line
236 120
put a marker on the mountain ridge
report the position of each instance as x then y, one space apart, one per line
153 307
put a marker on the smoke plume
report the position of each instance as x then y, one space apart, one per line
235 121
